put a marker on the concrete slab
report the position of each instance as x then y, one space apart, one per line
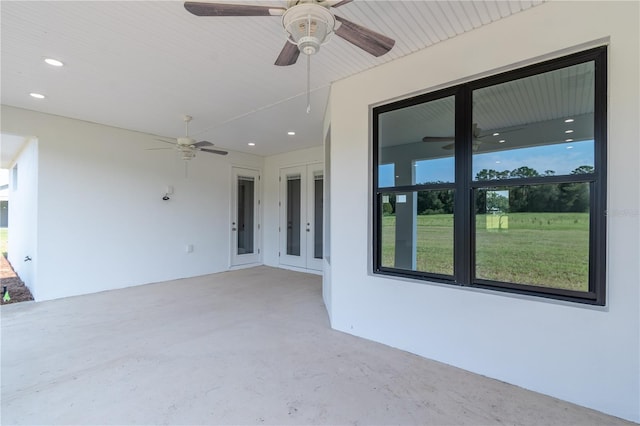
252 346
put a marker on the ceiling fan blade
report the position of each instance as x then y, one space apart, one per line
213 151
437 139
288 55
366 39
225 9
165 141
202 143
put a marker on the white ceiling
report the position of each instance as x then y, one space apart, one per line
142 65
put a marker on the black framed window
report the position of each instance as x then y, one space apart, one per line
498 183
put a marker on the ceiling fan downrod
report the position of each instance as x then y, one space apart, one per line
308 84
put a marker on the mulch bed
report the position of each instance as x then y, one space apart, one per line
8 277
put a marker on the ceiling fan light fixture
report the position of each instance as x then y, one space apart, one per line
188 155
309 26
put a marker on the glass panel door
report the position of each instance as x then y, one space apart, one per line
245 218
293 214
301 216
315 201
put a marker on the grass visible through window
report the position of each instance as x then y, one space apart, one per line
541 249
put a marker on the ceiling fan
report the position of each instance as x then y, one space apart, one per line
309 24
188 146
477 138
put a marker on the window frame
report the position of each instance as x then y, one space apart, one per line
464 185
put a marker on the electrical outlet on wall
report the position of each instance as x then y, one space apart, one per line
188 248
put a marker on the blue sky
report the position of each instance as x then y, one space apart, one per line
561 158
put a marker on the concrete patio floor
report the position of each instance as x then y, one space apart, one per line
252 346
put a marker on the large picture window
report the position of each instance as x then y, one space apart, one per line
499 183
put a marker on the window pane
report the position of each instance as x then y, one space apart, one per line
293 215
417 231
415 144
386 175
317 216
535 126
245 214
536 235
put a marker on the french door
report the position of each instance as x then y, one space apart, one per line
301 204
245 217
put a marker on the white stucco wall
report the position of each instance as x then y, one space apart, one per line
23 225
100 218
583 354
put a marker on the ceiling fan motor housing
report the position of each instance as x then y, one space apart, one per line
309 26
186 141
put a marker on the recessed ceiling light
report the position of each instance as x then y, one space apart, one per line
568 140
569 147
291 133
496 134
568 131
37 95
53 62
497 162
251 144
569 120
501 141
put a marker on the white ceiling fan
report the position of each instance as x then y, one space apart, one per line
308 23
188 146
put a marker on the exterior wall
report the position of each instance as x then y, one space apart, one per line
101 220
273 165
583 354
326 265
23 239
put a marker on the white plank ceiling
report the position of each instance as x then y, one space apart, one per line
142 65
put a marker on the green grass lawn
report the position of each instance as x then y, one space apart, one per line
4 235
542 249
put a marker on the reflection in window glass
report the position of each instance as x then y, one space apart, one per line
318 182
534 235
517 135
549 160
415 144
386 175
246 188
431 226
388 235
439 170
293 215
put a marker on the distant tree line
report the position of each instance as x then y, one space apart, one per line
559 197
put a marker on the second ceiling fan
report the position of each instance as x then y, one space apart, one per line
308 23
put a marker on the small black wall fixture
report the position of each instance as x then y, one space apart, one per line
166 197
